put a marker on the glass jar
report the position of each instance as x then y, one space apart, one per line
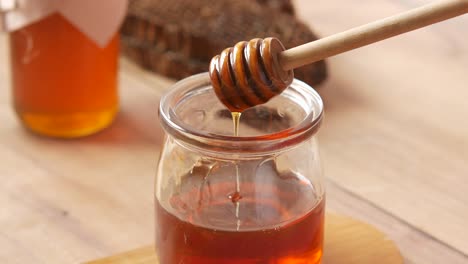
255 198
64 85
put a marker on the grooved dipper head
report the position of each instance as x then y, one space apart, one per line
249 74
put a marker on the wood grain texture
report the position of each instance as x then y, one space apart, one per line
345 239
395 132
394 145
372 32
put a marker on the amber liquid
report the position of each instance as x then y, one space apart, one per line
64 85
281 222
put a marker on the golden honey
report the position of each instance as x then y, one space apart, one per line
64 85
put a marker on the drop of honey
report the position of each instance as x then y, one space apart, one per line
235 197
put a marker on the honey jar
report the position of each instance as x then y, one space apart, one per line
64 83
252 193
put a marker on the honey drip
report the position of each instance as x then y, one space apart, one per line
236 120
236 196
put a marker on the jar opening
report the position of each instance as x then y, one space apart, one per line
191 113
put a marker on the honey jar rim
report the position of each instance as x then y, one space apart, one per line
206 141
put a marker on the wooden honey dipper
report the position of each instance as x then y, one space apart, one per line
251 73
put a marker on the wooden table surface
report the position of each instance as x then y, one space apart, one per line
394 145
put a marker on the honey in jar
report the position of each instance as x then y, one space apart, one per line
196 231
64 84
248 193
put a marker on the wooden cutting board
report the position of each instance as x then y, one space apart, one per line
347 241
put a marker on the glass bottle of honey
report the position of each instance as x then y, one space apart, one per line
64 84
247 193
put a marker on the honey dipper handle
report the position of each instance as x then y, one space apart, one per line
372 32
